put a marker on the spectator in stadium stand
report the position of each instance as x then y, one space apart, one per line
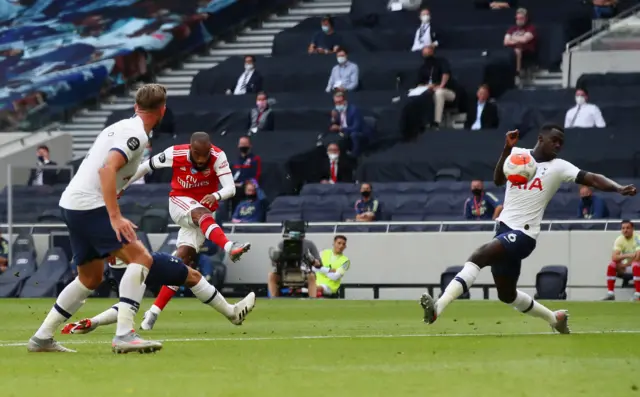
42 176
345 75
326 41
251 209
604 9
435 74
261 116
584 114
591 207
425 35
348 122
523 38
481 205
4 254
367 209
482 113
250 81
247 166
338 168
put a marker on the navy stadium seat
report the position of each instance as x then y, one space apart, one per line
52 274
12 280
447 276
551 282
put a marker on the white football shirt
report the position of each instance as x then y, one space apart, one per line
524 205
127 137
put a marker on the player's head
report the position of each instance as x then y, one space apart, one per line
151 103
339 244
626 227
200 150
550 141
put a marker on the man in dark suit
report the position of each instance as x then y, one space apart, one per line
261 116
41 176
482 113
336 168
348 122
250 81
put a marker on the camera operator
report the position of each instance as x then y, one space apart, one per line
328 273
294 255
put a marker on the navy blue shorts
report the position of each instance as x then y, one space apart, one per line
90 234
166 270
518 246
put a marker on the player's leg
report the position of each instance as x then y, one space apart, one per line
505 277
203 218
635 269
312 287
188 241
612 275
273 284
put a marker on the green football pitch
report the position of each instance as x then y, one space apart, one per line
334 348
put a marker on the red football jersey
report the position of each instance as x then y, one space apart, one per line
188 182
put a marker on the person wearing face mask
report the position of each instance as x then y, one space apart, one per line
345 75
584 114
261 117
425 35
337 168
523 38
368 207
591 207
251 209
42 176
250 81
481 205
348 122
327 41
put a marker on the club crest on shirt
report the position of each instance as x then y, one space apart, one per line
162 158
193 202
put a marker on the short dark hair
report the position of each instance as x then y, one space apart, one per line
339 237
485 86
627 221
45 147
253 58
550 127
368 184
342 49
262 93
328 19
586 92
340 94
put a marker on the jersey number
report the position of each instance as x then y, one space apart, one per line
511 237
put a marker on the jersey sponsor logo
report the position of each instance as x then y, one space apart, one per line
535 184
133 143
190 182
162 158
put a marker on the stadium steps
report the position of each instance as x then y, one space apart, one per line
545 80
87 124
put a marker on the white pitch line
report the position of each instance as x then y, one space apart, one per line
313 337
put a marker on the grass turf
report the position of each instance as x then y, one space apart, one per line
334 348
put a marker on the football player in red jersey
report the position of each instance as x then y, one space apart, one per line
201 178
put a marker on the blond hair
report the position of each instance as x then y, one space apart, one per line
151 97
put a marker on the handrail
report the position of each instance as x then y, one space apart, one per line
593 32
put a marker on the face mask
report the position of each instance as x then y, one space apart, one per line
261 104
250 196
340 108
476 192
248 66
580 100
333 156
41 159
325 28
587 200
342 60
366 194
425 18
244 149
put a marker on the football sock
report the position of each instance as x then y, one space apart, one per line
209 295
164 296
69 301
212 231
458 286
131 291
109 316
526 304
612 272
635 268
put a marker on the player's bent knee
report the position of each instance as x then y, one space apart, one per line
485 254
507 296
187 254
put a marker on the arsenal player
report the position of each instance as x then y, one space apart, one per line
201 179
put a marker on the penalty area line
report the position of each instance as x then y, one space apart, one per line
319 337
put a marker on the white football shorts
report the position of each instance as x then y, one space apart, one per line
180 210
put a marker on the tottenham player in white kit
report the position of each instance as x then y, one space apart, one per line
97 229
519 226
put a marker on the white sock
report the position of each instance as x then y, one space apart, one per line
155 310
527 305
459 285
208 294
109 316
69 301
227 246
131 291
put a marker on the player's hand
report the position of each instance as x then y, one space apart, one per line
124 228
628 190
209 199
512 138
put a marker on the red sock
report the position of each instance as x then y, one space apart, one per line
212 231
165 295
612 272
636 276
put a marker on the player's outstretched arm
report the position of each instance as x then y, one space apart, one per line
510 141
604 184
143 169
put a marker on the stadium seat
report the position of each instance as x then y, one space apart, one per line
52 274
24 243
169 244
12 280
154 220
551 282
144 239
447 276
51 215
448 174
